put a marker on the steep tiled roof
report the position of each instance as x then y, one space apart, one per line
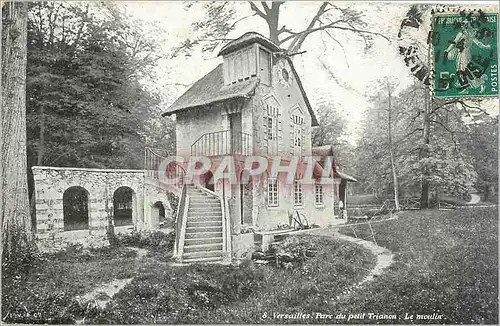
211 89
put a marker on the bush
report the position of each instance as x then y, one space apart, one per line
293 251
173 199
147 240
77 253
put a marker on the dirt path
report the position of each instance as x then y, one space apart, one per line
103 293
384 256
474 199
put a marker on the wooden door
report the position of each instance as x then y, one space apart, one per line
246 198
236 133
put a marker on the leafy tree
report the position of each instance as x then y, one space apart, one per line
415 37
331 126
17 237
329 19
482 143
378 149
86 103
448 163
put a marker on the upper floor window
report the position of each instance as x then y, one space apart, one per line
271 121
297 137
297 129
265 66
298 199
273 130
272 192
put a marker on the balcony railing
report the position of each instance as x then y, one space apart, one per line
224 142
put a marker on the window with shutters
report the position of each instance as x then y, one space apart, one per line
272 192
298 199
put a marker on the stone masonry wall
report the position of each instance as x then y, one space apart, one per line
100 184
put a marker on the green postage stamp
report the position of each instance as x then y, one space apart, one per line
465 54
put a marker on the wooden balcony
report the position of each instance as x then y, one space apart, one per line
225 142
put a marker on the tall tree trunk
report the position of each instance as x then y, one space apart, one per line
41 145
17 240
391 152
272 21
424 149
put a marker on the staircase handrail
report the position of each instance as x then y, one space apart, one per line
227 223
182 236
155 158
181 208
208 133
152 149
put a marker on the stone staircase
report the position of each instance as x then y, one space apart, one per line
204 240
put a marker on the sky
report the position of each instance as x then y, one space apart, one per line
357 73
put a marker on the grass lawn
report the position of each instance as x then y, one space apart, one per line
161 293
446 263
44 292
230 294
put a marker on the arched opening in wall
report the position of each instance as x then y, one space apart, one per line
76 209
207 180
158 215
123 206
246 197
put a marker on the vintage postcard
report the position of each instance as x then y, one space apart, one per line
249 162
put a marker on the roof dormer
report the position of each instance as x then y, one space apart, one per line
249 56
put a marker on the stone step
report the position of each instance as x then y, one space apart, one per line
203 254
209 216
204 235
205 218
202 260
195 192
203 199
204 205
201 241
204 210
194 229
198 223
209 247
